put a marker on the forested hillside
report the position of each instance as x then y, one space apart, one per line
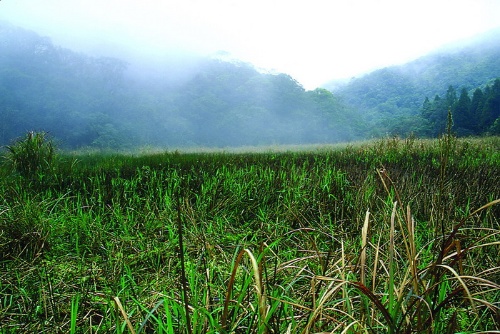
101 102
393 97
44 87
473 113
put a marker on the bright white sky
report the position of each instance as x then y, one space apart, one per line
312 40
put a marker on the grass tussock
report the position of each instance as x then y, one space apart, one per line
395 235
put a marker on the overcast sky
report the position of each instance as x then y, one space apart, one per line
312 40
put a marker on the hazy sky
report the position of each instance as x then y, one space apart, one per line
312 40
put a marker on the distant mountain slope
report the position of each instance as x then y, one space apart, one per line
402 89
45 87
92 101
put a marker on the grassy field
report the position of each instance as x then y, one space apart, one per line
394 235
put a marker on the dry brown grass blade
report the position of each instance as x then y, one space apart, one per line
387 182
124 314
487 205
391 286
453 255
375 262
375 268
348 327
413 250
364 236
313 294
462 283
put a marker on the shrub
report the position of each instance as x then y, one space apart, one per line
33 155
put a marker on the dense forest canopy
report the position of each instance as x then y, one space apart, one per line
473 114
103 102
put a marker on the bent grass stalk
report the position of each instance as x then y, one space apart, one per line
262 309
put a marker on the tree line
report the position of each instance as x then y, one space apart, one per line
475 112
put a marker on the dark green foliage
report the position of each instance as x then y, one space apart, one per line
470 65
476 116
462 114
233 105
491 106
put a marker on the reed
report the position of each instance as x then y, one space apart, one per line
392 235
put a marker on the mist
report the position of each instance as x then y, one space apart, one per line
171 100
188 73
314 42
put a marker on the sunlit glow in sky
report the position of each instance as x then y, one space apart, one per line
314 41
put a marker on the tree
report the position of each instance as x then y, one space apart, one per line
461 114
495 128
491 107
475 110
451 97
438 114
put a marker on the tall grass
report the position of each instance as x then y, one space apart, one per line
31 156
388 236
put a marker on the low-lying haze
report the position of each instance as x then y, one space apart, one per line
313 41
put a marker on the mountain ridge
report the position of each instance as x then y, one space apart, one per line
95 101
103 102
403 88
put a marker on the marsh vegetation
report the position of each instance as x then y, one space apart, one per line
393 235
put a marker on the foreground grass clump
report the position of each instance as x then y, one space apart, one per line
32 155
398 236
